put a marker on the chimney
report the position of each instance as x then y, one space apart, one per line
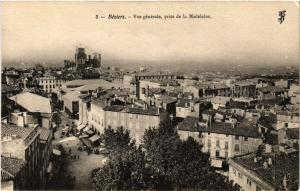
259 130
265 165
255 159
233 125
13 137
269 161
268 148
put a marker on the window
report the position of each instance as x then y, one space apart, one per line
209 143
226 145
286 125
227 135
246 138
226 154
249 182
237 137
258 188
218 143
236 147
217 153
143 90
240 175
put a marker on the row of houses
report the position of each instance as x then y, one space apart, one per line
26 135
228 127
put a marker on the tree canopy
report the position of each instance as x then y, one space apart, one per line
161 162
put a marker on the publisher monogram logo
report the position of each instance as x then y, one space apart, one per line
281 16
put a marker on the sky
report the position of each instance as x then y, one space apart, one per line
237 33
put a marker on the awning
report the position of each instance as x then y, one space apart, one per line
56 152
81 126
216 163
90 132
94 138
86 129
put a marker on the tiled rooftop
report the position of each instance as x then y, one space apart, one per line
164 82
20 132
44 133
292 133
133 110
220 100
245 83
281 164
275 89
191 124
237 105
271 102
183 102
12 165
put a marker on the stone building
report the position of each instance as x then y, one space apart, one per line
136 119
49 83
13 175
221 140
23 143
271 170
287 119
25 113
243 89
190 107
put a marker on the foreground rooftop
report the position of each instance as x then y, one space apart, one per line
273 174
192 124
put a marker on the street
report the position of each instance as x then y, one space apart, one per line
80 167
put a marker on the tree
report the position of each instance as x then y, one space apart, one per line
126 170
179 164
162 162
114 139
